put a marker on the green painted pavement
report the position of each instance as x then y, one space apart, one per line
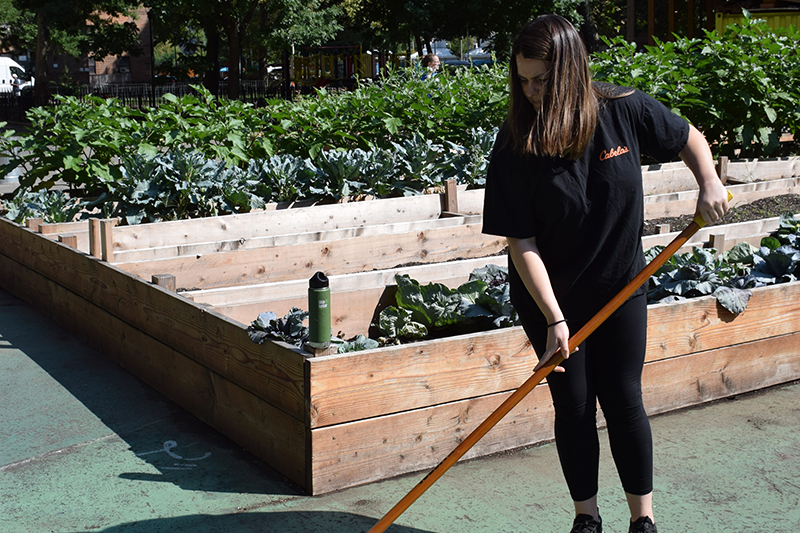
85 446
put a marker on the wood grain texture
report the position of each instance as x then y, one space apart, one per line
378 382
270 434
358 385
684 202
272 241
692 379
376 448
357 254
356 299
272 371
701 324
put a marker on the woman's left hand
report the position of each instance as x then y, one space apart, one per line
712 202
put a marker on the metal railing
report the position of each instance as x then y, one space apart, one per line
145 95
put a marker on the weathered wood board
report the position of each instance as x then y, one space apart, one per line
375 448
355 298
356 254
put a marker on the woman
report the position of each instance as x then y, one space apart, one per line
565 188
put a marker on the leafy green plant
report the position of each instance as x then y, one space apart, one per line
740 87
434 309
472 162
357 344
289 329
421 164
281 178
177 186
339 174
699 273
52 207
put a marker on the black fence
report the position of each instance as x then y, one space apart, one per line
135 95
13 108
145 95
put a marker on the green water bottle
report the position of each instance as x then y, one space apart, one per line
319 311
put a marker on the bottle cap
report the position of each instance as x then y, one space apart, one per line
318 281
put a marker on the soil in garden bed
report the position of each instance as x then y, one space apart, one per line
773 206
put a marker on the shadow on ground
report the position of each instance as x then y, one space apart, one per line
286 522
186 451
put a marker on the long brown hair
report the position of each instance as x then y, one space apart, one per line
566 120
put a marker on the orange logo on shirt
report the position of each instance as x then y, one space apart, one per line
614 152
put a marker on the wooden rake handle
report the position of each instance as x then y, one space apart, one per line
537 376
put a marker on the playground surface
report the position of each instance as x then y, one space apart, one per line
86 446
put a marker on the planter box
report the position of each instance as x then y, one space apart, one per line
340 420
336 421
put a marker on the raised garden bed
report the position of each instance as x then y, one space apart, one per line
339 420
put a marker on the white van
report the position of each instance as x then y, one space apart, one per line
8 67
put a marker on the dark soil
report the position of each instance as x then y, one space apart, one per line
772 206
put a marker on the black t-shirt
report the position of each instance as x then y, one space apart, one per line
588 214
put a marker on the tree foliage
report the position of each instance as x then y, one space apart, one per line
73 27
211 29
386 22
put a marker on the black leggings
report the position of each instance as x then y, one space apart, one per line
608 367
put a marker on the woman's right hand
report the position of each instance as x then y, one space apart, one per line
557 344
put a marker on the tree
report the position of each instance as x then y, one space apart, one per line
427 20
18 30
77 27
264 27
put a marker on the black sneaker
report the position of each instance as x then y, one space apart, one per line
584 523
643 525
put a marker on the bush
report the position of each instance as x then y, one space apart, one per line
740 88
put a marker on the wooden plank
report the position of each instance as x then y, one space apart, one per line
667 178
375 279
354 297
34 223
272 371
470 201
358 385
357 254
684 202
700 324
378 448
64 227
368 450
95 238
758 228
107 239
717 241
202 248
378 382
722 168
674 177
764 169
164 280
69 240
450 196
81 238
267 432
692 379
279 222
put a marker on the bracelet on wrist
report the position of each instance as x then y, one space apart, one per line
556 322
